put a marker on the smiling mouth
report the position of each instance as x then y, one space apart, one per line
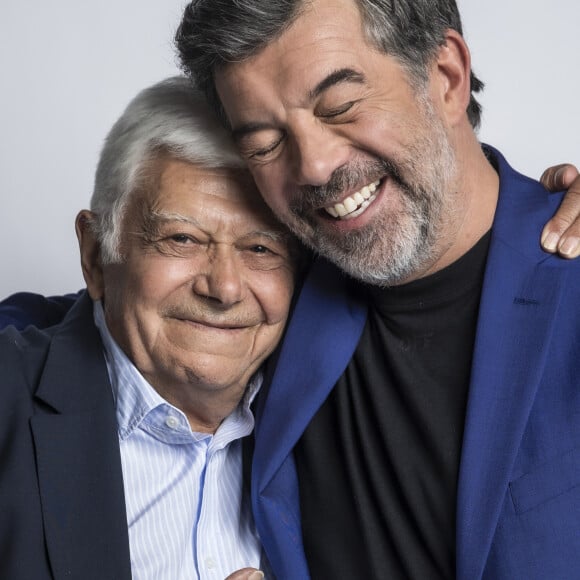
213 325
355 204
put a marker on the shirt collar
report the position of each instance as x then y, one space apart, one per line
140 406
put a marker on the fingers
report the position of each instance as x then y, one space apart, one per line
559 177
246 574
562 233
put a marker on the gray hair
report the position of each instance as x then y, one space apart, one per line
169 117
214 33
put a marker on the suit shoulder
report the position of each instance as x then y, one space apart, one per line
26 308
15 340
22 356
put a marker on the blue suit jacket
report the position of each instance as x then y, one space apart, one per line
518 506
62 507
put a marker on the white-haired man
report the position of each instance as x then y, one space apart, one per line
121 427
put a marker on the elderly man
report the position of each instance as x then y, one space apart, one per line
423 419
122 426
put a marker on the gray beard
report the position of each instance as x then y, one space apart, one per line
397 247
384 253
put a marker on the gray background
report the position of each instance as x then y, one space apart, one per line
70 67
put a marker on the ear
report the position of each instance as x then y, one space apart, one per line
452 74
90 254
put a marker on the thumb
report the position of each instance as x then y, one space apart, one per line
246 574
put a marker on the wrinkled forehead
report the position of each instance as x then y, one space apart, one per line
287 72
180 188
168 174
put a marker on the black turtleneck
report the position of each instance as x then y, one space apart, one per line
378 465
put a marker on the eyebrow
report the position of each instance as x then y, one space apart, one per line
343 75
239 133
156 219
276 236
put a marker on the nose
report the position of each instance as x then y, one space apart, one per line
317 152
221 279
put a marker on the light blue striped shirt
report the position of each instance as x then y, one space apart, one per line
186 512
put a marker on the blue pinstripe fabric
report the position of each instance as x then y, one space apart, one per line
186 512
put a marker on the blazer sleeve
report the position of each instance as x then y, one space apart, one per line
26 308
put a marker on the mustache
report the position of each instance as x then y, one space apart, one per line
343 179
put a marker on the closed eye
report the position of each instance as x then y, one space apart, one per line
264 151
331 113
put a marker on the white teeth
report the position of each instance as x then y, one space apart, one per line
355 204
350 204
361 208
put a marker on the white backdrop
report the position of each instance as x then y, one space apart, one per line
70 67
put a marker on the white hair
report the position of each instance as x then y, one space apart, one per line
170 117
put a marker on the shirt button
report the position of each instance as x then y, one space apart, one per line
172 422
210 563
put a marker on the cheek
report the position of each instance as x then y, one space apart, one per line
137 294
165 271
151 285
274 297
382 133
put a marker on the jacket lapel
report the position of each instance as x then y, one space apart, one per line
513 337
320 339
78 458
323 333
520 298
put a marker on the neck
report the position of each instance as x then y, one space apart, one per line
205 409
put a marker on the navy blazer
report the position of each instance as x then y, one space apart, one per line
518 505
62 507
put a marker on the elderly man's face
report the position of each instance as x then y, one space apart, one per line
342 148
203 292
